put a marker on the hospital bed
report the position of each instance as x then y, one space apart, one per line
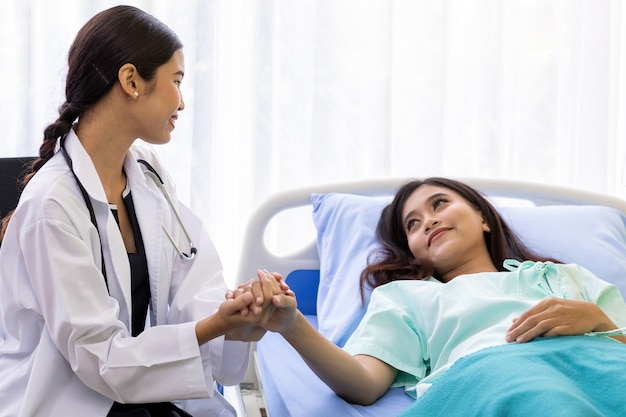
570 225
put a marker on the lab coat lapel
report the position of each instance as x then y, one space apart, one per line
118 270
113 248
150 208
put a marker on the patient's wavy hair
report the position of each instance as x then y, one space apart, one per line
394 261
110 39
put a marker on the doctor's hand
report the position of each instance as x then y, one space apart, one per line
558 317
226 319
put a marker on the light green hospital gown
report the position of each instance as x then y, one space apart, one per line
422 327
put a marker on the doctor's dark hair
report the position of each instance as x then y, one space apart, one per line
394 261
110 39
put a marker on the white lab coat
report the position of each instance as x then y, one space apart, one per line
65 344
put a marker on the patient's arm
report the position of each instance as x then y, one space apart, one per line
560 317
358 379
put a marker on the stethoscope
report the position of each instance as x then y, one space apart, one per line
156 178
152 174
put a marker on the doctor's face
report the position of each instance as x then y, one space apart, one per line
162 101
444 227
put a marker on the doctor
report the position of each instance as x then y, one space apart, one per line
99 242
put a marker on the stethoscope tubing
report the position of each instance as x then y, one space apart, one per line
151 172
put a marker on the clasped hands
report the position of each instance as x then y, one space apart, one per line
259 305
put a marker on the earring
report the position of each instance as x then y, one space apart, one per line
136 93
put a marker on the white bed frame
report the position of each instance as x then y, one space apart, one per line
255 253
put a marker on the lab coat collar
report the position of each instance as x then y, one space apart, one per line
84 167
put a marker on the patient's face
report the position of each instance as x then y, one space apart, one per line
442 226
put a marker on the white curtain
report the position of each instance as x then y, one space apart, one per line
283 94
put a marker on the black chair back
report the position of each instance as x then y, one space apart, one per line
11 171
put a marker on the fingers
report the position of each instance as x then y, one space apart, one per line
243 288
272 284
256 290
237 304
286 290
268 282
528 330
556 317
283 301
283 285
258 301
532 323
276 275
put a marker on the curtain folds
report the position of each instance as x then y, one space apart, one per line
282 94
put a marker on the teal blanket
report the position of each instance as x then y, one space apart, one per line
575 376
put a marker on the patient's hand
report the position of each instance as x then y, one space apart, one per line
284 315
558 317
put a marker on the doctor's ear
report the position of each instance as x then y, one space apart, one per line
130 80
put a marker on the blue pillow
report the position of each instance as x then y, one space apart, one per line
346 228
591 236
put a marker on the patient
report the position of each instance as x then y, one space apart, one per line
454 285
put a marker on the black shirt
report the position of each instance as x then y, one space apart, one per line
140 282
